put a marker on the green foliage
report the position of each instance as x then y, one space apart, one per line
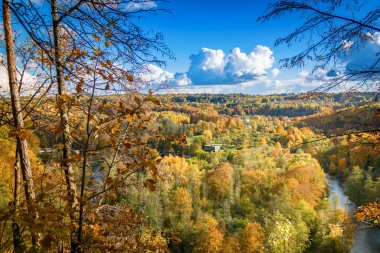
263 192
285 236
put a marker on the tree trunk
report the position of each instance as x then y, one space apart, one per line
64 118
22 143
17 240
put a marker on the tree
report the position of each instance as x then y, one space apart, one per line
208 237
330 33
282 233
285 236
219 182
64 123
338 231
354 184
342 164
255 185
173 170
207 134
306 183
280 130
181 206
253 238
369 213
83 42
19 128
231 244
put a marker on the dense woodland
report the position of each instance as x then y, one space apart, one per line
265 191
94 160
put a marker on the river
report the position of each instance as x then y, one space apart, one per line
367 240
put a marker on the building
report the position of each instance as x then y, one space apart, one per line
213 148
46 150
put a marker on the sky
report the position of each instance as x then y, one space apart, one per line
213 24
227 26
218 25
219 47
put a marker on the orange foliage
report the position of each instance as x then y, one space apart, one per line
231 245
256 183
7 161
369 213
306 183
219 181
253 238
181 205
208 238
235 123
342 164
262 141
332 167
280 130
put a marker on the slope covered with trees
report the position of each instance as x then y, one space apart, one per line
92 160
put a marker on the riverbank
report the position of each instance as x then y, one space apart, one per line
367 240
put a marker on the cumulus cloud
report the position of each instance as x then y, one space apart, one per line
241 67
306 81
214 71
211 66
153 74
214 67
180 79
303 82
207 67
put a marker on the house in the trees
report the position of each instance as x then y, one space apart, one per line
213 148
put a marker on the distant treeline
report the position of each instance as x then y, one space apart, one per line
286 105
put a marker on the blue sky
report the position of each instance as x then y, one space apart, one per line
220 48
224 25
218 25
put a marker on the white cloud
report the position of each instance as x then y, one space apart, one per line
305 81
180 79
303 74
28 85
241 67
363 56
207 67
319 75
154 75
213 71
275 72
4 81
140 5
347 45
262 86
214 67
211 66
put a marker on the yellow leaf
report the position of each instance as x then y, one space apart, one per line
96 38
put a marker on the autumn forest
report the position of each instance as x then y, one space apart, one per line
96 158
